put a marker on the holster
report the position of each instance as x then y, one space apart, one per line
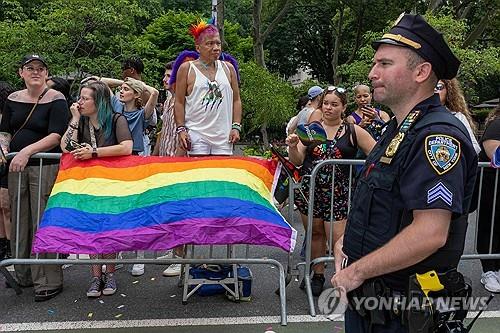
372 289
377 289
430 318
418 319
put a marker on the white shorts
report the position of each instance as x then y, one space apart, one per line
200 146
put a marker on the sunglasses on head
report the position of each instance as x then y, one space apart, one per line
340 90
440 86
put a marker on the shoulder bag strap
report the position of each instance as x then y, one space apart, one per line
3 158
92 136
31 112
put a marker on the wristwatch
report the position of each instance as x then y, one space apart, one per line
94 152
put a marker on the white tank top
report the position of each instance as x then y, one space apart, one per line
209 107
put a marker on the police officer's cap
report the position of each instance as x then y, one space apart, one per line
413 32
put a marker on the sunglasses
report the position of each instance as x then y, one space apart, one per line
340 90
439 87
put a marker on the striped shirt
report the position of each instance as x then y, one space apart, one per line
168 138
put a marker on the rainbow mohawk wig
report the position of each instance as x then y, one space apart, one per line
196 29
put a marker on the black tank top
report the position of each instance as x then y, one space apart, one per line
343 148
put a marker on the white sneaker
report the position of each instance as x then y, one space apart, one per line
491 281
168 255
137 269
173 270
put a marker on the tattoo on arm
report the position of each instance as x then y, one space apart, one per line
69 133
5 141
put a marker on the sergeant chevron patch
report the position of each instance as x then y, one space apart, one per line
439 191
442 152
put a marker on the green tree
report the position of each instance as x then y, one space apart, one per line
479 71
260 31
266 99
323 34
168 35
11 10
480 61
76 37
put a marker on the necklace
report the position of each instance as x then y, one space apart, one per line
205 65
331 125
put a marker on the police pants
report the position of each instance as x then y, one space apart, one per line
43 277
354 323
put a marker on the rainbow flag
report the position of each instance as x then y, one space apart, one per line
129 203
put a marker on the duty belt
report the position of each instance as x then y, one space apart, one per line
414 308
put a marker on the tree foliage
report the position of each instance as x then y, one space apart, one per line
266 98
305 39
95 36
76 37
168 35
331 38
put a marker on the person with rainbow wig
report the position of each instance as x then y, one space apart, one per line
207 105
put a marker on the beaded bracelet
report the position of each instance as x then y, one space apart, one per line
180 129
236 126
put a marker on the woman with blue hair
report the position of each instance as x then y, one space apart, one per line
96 131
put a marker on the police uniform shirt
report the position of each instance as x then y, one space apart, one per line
430 170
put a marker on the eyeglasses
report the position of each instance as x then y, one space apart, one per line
340 90
85 99
32 69
440 86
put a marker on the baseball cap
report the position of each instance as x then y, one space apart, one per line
135 85
32 57
314 91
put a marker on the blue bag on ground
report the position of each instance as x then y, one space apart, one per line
244 284
210 272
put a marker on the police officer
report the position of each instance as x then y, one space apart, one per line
409 210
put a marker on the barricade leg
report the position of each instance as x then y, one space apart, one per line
310 300
186 268
282 296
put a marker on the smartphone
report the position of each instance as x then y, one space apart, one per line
162 97
72 145
367 112
188 143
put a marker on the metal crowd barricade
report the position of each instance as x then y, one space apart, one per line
308 263
231 260
494 214
329 258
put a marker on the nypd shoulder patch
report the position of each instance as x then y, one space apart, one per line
442 151
440 191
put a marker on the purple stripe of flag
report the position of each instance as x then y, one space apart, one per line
203 231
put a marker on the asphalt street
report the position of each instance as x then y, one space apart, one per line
153 301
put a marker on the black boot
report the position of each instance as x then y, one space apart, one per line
317 283
3 248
